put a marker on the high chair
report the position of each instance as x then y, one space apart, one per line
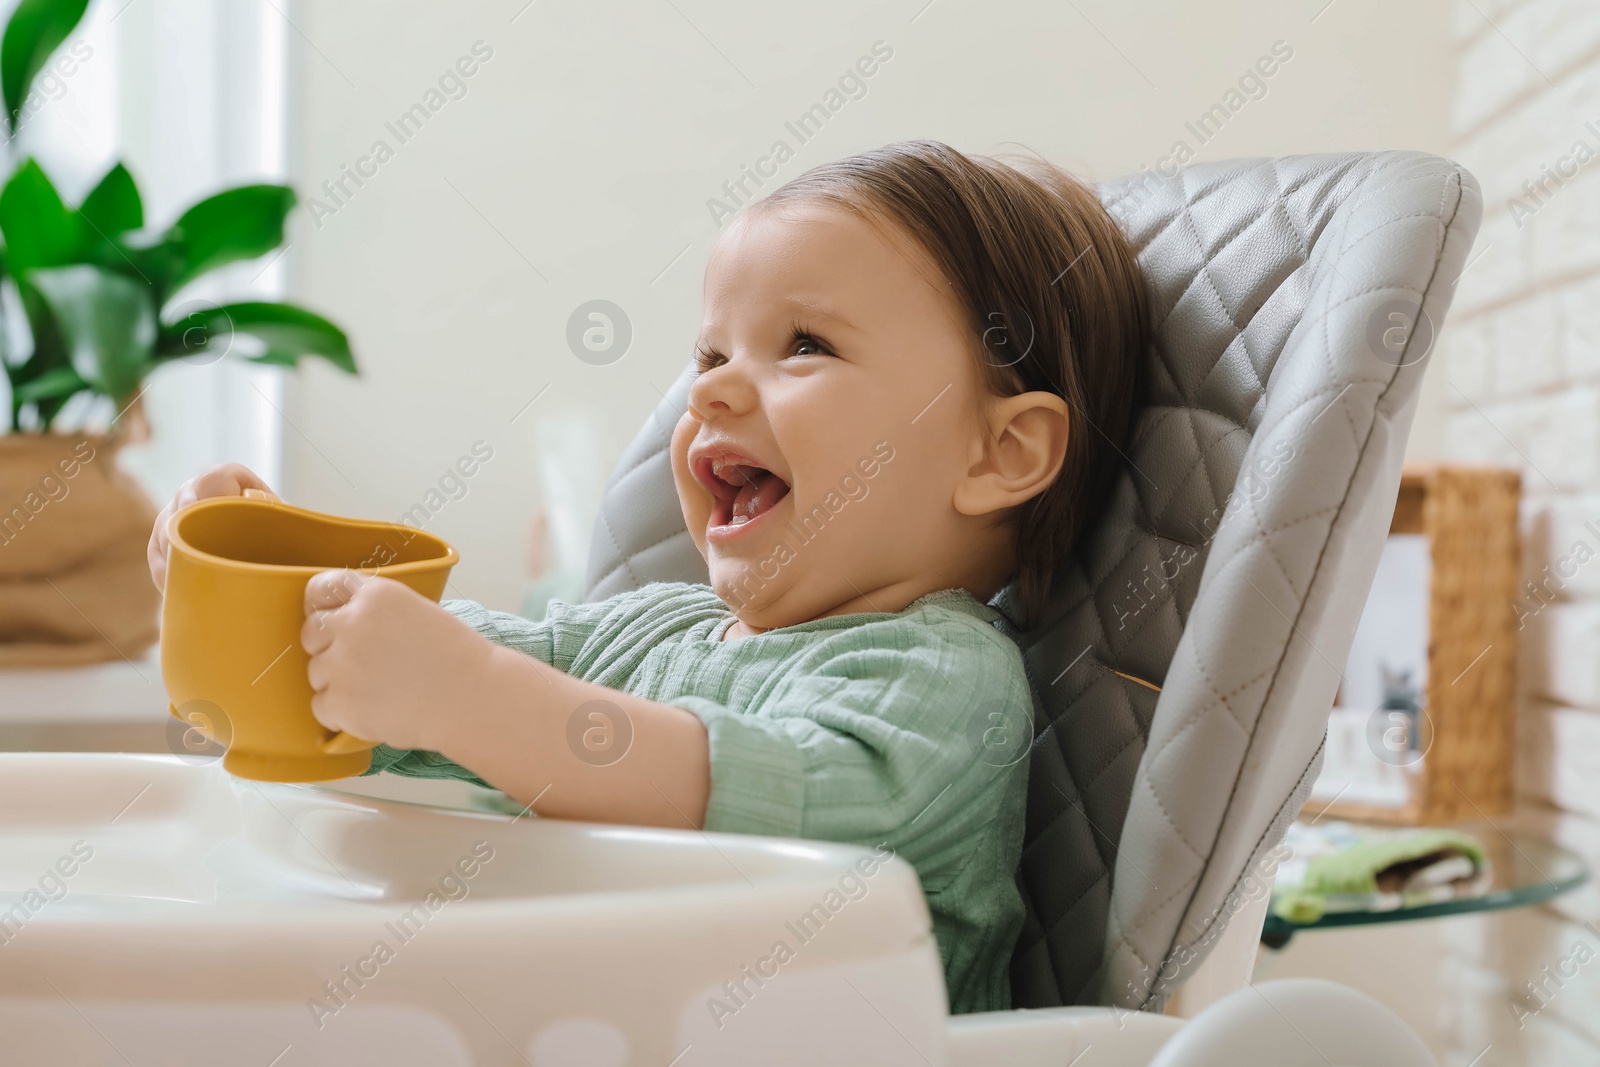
156 910
1185 669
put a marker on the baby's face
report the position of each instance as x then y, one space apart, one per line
836 409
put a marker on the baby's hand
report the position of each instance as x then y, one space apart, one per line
387 663
229 479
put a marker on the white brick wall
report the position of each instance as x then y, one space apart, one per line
1581 314
1521 352
1560 661
1522 349
1523 143
1558 758
1561 549
1553 436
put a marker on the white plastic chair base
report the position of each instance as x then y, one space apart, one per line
1295 1022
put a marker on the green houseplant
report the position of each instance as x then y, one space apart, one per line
94 282
96 293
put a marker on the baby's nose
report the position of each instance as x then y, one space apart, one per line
724 390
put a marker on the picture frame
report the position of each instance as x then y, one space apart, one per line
1438 746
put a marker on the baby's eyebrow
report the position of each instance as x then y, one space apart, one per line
815 309
820 309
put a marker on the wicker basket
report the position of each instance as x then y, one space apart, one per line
1469 517
74 579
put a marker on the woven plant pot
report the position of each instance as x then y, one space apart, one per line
74 581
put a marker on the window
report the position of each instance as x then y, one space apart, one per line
191 95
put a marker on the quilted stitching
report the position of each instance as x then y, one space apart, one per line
1142 929
1144 812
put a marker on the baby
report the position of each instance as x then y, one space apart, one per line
916 370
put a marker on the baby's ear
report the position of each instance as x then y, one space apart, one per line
1017 453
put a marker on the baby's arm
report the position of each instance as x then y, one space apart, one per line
392 666
520 743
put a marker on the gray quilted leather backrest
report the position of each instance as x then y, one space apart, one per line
1185 669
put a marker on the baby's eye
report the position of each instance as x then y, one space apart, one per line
705 359
803 344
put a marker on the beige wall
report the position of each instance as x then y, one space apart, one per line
579 163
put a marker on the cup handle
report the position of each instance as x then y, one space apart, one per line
343 744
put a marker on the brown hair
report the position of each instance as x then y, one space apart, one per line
1055 297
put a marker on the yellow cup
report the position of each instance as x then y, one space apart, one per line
230 626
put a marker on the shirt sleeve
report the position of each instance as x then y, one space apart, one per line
878 745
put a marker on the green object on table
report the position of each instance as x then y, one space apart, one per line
1355 870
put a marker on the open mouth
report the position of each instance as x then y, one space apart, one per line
742 492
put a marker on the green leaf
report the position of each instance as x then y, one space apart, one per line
152 260
36 28
240 223
107 321
59 383
39 229
285 331
113 206
49 350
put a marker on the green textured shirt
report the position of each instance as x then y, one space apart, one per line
908 729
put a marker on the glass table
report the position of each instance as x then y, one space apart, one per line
1523 871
